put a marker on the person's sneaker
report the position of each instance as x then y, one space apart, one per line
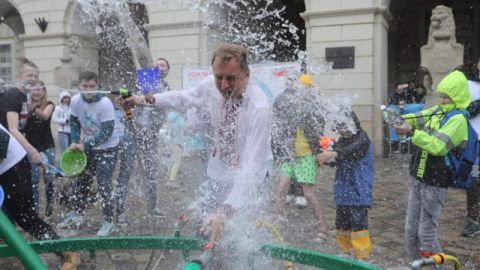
471 228
290 199
70 260
301 202
156 212
73 218
106 229
121 220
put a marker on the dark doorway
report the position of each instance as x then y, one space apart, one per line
10 16
273 30
409 31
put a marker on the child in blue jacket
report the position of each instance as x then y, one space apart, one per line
353 153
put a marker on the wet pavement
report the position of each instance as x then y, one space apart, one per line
386 221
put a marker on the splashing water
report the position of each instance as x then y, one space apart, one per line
259 25
111 16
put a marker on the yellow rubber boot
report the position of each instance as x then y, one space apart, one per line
362 247
344 240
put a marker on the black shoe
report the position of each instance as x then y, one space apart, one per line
471 228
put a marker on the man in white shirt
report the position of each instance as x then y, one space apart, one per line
239 116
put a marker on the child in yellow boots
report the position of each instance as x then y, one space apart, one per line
353 153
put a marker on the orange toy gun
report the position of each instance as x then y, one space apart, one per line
326 143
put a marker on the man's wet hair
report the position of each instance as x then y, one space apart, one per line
87 76
227 51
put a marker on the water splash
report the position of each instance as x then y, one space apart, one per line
113 24
258 24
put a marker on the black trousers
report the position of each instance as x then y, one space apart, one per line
18 203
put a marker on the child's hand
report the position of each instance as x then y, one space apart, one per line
326 156
402 129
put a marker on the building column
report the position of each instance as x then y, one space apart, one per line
362 24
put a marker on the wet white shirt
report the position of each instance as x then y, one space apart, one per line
252 136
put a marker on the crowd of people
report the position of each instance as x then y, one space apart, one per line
243 136
407 93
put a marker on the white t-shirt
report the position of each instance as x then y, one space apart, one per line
91 116
15 153
474 88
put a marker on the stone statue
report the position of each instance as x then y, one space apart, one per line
442 54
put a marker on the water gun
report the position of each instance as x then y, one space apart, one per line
326 143
436 259
124 93
391 116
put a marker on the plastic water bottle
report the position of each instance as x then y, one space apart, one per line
391 116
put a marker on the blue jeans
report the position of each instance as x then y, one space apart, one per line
64 141
100 164
423 213
126 154
49 186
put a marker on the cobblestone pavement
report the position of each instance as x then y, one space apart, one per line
386 221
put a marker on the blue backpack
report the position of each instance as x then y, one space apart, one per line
462 160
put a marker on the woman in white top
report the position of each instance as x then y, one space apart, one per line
61 117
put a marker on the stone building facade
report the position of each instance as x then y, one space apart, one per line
178 33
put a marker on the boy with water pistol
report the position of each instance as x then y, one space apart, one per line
430 175
353 156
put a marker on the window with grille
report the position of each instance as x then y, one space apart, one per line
7 64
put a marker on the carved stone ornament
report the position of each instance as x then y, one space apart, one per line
72 44
442 54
